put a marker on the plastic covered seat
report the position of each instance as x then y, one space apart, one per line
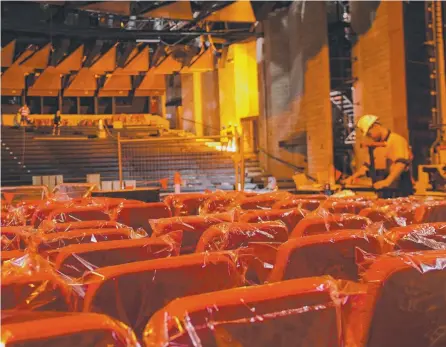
417 237
306 204
132 292
67 329
326 254
312 225
48 242
405 302
390 217
76 214
290 217
51 227
138 216
431 212
191 226
185 204
261 201
8 255
75 260
229 236
339 206
304 312
222 201
14 238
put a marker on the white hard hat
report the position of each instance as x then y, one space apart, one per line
366 122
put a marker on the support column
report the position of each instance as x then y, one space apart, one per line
192 103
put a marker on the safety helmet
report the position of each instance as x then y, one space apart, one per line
365 123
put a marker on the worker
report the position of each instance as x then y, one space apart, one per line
56 123
394 155
24 112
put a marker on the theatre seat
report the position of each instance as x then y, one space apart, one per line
191 226
304 312
405 303
57 329
326 254
51 227
261 201
132 292
42 291
185 204
312 225
138 216
306 204
417 237
8 255
227 236
75 260
221 202
48 242
14 238
431 212
77 214
340 206
290 216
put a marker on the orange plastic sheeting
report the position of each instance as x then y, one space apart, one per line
105 63
418 237
405 302
133 292
138 216
39 60
239 11
204 62
391 215
168 66
72 62
340 206
8 255
192 226
51 227
290 217
76 259
82 84
176 10
14 237
116 85
230 236
115 7
314 224
54 329
13 81
77 214
306 204
327 254
31 283
152 84
48 84
304 312
8 54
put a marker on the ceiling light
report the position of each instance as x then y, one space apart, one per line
148 40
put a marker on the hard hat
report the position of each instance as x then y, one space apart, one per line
366 122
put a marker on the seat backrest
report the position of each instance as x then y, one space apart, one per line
326 254
185 204
132 292
431 212
417 237
13 238
221 202
8 255
76 214
41 291
290 216
340 206
75 260
312 225
191 226
54 329
261 201
405 302
48 242
306 204
138 216
51 227
305 312
228 236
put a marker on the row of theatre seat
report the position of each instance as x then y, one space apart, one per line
225 269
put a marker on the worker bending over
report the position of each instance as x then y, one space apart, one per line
391 158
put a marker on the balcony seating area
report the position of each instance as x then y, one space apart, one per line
224 269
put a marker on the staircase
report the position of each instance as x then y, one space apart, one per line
345 106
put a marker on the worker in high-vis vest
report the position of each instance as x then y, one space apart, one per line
389 158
